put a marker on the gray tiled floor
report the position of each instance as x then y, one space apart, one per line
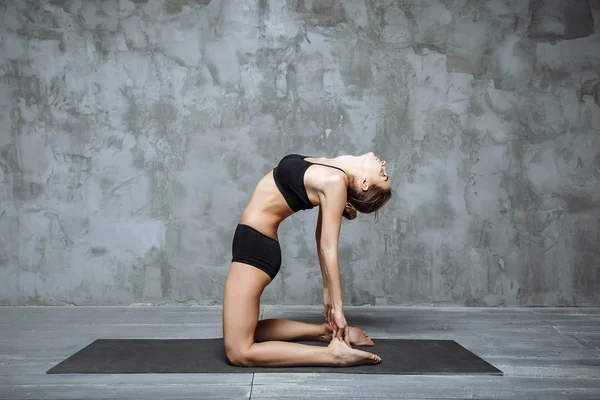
544 353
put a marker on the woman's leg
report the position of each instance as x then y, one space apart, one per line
241 304
286 330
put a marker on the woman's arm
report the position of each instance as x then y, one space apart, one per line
332 204
327 305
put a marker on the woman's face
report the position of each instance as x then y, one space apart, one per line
375 172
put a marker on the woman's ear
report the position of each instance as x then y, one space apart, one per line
364 185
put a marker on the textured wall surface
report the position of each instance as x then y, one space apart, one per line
132 133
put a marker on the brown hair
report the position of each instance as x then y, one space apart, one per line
366 202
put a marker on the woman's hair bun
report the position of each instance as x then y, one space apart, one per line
349 211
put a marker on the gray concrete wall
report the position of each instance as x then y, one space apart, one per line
132 133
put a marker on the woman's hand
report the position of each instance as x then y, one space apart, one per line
337 320
334 316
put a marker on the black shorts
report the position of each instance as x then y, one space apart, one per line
257 249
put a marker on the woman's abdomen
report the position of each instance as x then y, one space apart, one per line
266 208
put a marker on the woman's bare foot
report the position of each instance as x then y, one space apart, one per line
346 356
358 337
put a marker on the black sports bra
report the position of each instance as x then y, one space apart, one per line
289 178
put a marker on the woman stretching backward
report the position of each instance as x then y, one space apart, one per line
340 187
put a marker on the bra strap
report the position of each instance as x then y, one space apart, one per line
330 166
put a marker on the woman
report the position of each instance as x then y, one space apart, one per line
339 187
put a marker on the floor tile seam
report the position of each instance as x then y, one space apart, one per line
251 386
566 335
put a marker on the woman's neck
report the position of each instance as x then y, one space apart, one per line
351 164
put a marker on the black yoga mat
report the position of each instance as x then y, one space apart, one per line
399 356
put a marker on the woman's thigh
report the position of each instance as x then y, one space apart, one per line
241 305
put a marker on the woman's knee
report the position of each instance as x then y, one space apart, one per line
238 355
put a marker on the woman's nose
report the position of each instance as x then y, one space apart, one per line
382 162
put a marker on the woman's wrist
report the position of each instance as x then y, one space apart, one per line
334 296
